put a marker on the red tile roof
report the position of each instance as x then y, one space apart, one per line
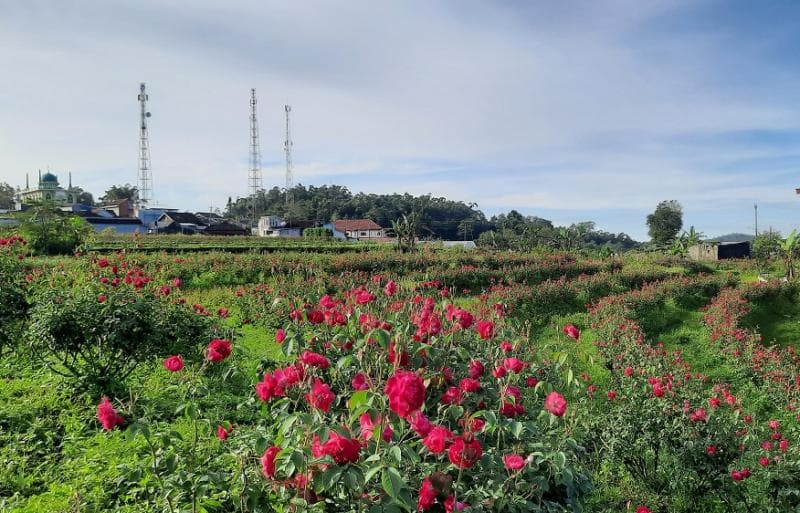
355 225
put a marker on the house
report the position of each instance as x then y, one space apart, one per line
226 228
719 250
121 208
335 233
275 226
209 218
359 229
179 222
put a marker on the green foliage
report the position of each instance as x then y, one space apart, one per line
99 339
50 231
120 192
6 196
13 303
665 222
766 246
317 233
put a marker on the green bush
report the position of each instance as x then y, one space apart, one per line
100 339
13 305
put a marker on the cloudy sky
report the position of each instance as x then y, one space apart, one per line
572 110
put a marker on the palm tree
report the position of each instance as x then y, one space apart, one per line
788 251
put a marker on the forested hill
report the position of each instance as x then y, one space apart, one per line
440 218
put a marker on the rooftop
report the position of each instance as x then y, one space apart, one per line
354 225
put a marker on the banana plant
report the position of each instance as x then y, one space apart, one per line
788 250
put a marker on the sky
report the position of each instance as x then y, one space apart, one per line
571 111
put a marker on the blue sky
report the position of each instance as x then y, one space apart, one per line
572 111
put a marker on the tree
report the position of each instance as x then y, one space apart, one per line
120 192
766 246
50 231
6 196
788 250
665 222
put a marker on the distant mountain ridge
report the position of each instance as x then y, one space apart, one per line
733 237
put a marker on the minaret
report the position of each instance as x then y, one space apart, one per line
40 178
70 181
27 182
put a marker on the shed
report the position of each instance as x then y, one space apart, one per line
720 250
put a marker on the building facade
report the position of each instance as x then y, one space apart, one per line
48 189
359 229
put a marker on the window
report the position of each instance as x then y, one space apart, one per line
363 234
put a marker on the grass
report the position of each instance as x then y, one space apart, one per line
778 322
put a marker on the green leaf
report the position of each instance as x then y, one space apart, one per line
372 471
392 482
395 453
357 399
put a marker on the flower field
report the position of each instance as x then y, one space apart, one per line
373 381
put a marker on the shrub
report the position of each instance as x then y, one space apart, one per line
101 338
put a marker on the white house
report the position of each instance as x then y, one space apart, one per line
359 229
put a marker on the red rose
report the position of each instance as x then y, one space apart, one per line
280 336
485 329
313 359
643 509
342 450
611 395
763 461
107 415
223 433
427 495
364 296
320 396
464 454
699 415
452 395
658 389
475 369
469 385
514 364
420 423
219 349
359 381
173 363
555 404
571 331
513 461
316 317
711 450
437 439
406 392
268 461
267 388
390 288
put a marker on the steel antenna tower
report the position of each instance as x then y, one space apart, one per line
145 194
254 176
287 147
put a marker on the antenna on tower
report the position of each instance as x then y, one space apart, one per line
287 147
145 194
254 176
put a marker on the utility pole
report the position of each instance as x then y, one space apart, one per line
755 208
145 195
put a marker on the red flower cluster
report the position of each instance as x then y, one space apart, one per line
343 450
107 415
406 393
219 349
